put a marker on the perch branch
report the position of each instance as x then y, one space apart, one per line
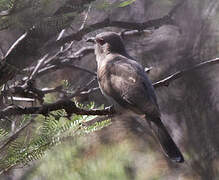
68 105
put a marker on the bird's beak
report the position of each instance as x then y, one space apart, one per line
91 40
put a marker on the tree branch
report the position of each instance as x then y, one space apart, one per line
37 67
108 23
68 105
166 81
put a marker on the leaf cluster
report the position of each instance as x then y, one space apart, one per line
47 132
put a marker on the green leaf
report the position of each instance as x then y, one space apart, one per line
53 130
126 3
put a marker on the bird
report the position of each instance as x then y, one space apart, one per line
124 82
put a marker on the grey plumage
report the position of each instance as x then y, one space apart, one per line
125 83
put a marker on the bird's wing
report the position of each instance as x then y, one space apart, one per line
126 82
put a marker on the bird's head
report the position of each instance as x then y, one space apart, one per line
108 42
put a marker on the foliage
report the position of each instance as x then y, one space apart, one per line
126 3
106 5
47 132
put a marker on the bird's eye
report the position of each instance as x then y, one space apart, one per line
100 41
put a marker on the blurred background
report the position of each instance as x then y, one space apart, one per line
189 105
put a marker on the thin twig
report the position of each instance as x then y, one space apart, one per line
21 99
60 34
52 90
166 81
90 91
79 90
37 67
86 17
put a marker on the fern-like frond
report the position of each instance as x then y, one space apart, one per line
3 133
55 129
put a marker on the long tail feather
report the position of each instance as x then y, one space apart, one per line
168 145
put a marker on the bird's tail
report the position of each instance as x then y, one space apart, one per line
169 147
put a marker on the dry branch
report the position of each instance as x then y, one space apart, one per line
37 67
21 54
108 23
68 105
166 81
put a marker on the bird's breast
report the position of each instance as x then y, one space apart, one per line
103 80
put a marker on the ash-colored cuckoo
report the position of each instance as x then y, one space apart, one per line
125 83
